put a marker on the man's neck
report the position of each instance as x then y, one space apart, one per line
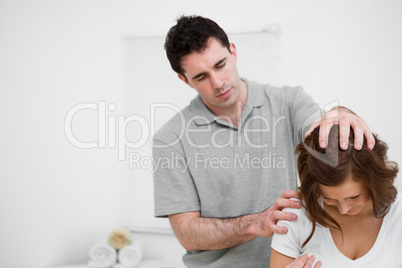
233 113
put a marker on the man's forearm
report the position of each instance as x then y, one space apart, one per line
198 233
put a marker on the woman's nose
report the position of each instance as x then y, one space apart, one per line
343 208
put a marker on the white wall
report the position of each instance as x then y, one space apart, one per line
56 199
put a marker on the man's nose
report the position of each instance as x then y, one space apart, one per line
216 81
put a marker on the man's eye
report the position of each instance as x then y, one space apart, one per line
354 197
221 65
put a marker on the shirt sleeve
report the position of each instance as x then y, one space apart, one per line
289 244
303 111
174 189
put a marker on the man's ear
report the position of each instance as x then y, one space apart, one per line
184 79
233 51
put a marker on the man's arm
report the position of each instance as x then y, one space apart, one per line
198 233
345 118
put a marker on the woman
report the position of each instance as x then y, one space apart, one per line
351 213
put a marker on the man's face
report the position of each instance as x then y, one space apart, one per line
214 75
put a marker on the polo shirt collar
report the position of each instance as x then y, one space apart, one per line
255 98
255 94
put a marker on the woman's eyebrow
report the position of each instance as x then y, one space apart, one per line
344 198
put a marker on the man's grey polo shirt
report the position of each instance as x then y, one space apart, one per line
206 164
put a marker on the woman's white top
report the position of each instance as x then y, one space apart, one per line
386 251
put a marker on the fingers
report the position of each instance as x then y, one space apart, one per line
278 229
369 136
309 262
345 119
298 262
315 124
360 129
318 264
286 203
344 133
276 213
290 194
323 134
285 200
326 122
304 261
280 215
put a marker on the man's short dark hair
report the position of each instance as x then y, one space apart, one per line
191 34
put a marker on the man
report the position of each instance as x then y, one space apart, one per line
229 154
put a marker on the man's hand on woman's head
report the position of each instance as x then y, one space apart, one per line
345 118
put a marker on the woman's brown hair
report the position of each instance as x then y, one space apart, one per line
332 166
